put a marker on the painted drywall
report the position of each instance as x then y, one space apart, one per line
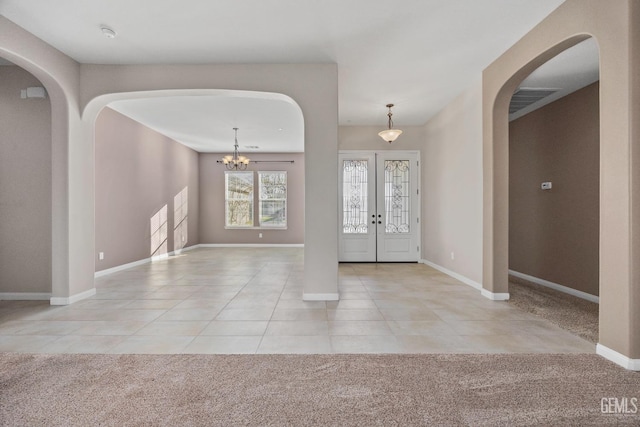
553 234
616 29
138 173
452 186
212 209
25 185
366 138
634 107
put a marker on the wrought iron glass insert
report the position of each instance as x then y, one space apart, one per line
273 199
239 199
354 197
397 199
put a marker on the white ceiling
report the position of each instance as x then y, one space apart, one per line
418 54
205 123
568 71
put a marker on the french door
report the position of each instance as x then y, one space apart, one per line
379 206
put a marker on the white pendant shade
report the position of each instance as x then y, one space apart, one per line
390 135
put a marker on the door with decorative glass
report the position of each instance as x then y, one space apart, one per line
379 206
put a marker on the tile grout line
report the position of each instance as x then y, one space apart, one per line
272 312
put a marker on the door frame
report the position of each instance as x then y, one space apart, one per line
418 201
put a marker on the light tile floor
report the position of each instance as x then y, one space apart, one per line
250 301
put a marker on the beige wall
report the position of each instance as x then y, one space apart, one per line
634 106
366 138
553 234
452 186
138 171
25 186
212 209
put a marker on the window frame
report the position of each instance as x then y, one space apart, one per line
251 200
284 199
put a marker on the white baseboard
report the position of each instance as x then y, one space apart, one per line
117 268
73 298
618 358
453 274
187 249
25 296
556 286
121 267
475 285
495 296
252 245
320 297
159 257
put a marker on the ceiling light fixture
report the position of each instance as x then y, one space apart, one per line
108 32
390 134
235 161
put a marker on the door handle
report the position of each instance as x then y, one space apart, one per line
373 222
379 222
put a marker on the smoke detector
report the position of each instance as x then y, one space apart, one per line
108 32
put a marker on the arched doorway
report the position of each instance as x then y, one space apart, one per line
554 146
568 25
156 149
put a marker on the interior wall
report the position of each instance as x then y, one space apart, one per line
553 234
25 186
138 172
212 205
366 138
452 186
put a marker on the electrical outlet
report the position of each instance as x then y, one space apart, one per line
101 256
260 235
453 256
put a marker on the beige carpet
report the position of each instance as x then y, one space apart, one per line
574 314
366 390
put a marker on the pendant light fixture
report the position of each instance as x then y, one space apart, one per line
235 161
390 134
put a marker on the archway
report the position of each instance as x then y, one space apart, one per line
60 92
554 191
571 23
141 169
318 102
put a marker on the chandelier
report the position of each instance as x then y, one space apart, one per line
235 161
390 134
